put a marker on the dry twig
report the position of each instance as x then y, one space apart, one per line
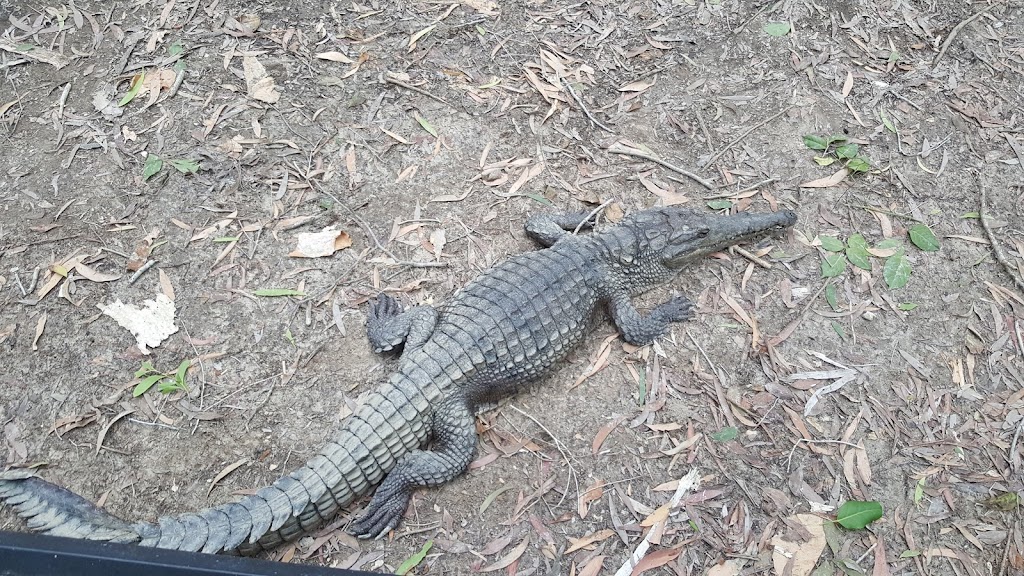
579 101
418 90
745 133
619 148
956 30
996 249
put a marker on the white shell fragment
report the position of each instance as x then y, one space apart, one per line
150 325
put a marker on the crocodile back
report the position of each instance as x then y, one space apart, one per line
511 324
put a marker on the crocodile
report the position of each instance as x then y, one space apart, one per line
497 334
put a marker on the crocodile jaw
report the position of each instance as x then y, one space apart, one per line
719 232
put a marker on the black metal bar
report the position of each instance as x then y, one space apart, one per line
23 554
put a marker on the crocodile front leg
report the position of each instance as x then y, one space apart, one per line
454 447
547 229
388 326
641 330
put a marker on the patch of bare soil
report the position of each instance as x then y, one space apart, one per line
816 372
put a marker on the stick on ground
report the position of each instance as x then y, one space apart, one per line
619 148
996 249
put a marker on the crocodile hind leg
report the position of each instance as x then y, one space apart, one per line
547 229
454 447
640 330
388 326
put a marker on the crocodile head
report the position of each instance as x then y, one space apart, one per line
675 237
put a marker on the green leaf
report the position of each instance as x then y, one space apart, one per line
971 215
847 151
539 198
830 297
147 368
855 514
824 160
176 48
919 491
886 121
838 328
492 496
889 243
226 239
777 28
857 252
832 265
146 384
815 142
906 306
169 385
275 292
726 434
179 375
858 164
897 270
831 243
719 204
923 237
186 166
152 165
426 125
414 560
134 89
910 553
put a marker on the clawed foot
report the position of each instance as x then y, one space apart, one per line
382 309
678 309
381 516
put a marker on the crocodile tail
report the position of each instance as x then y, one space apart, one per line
53 510
355 459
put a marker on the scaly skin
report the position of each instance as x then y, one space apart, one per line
503 330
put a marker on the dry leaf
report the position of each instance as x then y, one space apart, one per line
798 556
600 361
848 85
320 244
637 86
588 540
510 557
40 326
593 493
437 240
91 274
259 84
828 181
335 57
223 473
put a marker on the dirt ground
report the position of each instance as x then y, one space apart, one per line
428 132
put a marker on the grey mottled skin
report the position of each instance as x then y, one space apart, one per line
503 330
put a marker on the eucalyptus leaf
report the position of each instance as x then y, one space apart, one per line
815 142
777 28
847 151
719 204
923 237
414 560
856 514
830 297
897 270
832 265
726 434
152 166
831 243
858 164
857 252
275 292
